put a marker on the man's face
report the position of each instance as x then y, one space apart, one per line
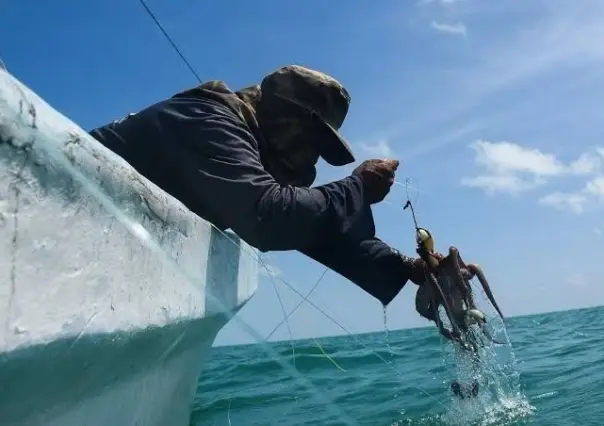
293 135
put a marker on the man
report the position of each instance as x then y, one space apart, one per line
245 160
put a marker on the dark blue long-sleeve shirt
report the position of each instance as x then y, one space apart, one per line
202 153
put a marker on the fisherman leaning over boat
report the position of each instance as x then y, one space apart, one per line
246 160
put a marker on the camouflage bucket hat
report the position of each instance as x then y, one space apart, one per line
321 95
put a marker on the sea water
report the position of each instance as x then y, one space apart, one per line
552 375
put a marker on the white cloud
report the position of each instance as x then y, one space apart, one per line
587 163
379 149
575 202
458 28
598 232
512 168
595 187
511 184
507 157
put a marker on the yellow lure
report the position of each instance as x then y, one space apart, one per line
425 238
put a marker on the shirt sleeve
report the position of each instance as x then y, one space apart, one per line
233 185
371 264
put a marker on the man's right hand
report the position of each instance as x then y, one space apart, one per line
377 177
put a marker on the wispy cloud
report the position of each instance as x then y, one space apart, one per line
506 167
598 232
510 168
510 184
573 202
578 201
443 2
379 149
458 28
561 37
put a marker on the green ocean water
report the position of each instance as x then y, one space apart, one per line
552 374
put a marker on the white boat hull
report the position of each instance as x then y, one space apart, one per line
111 291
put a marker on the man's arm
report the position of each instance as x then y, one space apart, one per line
371 264
366 260
230 182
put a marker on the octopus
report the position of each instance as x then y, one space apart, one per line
447 284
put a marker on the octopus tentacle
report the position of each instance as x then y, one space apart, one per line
441 294
461 282
462 276
477 270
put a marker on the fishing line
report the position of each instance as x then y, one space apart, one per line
161 28
408 186
229 412
286 317
373 351
327 356
304 299
291 337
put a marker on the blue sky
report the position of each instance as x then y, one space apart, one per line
493 108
